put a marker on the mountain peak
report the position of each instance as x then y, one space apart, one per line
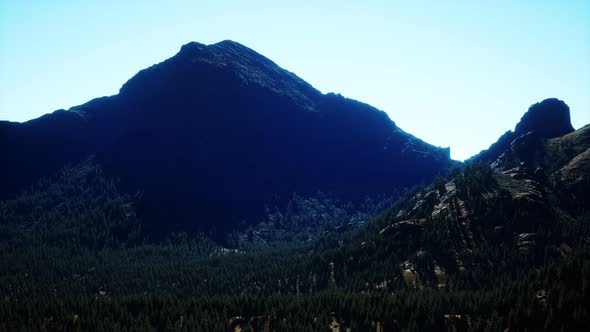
228 44
192 46
549 118
220 50
228 57
225 53
212 134
232 44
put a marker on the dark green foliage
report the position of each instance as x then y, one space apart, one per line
474 180
305 219
78 207
72 258
550 298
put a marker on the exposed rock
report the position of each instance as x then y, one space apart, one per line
450 187
441 276
431 195
529 198
236 323
541 296
525 152
401 213
525 242
334 325
526 192
405 226
226 252
409 273
577 171
528 148
417 206
442 207
518 173
561 150
548 119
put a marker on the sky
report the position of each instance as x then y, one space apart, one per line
454 73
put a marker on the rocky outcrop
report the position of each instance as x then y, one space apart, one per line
526 149
245 64
574 177
547 119
411 226
525 242
441 276
577 171
409 274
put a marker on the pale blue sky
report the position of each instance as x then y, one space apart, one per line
455 73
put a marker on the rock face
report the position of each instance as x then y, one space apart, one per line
215 132
548 119
569 156
577 170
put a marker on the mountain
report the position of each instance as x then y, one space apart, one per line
213 134
495 246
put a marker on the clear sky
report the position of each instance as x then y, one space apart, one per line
454 73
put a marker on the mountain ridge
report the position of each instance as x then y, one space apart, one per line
221 126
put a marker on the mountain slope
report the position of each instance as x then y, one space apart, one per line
213 133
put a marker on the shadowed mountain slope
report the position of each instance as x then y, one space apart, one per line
213 133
